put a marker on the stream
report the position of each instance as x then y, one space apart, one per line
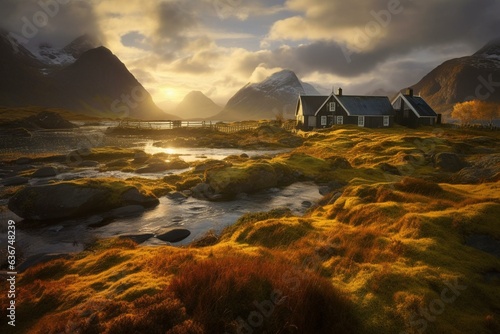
197 216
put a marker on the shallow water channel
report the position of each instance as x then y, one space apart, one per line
195 215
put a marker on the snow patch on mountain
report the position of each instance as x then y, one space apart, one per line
50 55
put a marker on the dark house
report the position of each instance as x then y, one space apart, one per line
412 111
326 111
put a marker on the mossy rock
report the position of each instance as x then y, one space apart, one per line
68 200
231 181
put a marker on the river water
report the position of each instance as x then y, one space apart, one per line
197 216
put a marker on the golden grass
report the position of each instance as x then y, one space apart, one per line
381 252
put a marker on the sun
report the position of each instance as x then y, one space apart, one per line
170 93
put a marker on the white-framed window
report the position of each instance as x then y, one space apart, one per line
323 121
340 120
386 121
361 121
332 106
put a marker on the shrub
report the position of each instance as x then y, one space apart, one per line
418 186
226 295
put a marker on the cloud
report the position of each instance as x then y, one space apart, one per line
34 21
389 24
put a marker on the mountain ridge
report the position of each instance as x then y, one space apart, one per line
97 83
456 80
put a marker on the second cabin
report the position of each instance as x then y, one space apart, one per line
338 109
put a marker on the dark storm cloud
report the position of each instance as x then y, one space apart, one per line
54 21
352 38
175 20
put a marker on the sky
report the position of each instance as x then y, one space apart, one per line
218 46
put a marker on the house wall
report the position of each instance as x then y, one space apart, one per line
370 121
406 117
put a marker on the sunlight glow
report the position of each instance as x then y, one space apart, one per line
170 93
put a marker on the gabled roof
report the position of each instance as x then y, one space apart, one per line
366 105
419 106
310 104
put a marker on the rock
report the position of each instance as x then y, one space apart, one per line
485 243
449 162
175 235
134 197
45 172
177 164
211 164
127 211
244 156
388 168
485 169
38 259
156 167
47 120
138 238
14 181
176 196
306 204
338 162
88 163
69 200
23 161
232 181
140 157
324 190
16 132
202 191
56 228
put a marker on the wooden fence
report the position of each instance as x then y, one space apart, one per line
217 126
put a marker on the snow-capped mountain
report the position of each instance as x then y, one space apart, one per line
50 55
276 94
53 56
457 80
97 83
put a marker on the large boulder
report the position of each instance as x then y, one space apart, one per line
485 169
45 172
71 200
231 181
449 162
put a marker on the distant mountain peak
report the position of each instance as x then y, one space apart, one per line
492 48
275 94
461 79
197 105
50 55
82 44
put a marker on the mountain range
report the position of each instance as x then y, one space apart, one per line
457 80
79 77
87 78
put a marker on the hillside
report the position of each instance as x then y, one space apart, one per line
461 79
92 82
196 105
406 240
276 94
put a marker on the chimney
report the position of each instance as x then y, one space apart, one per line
409 92
340 92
